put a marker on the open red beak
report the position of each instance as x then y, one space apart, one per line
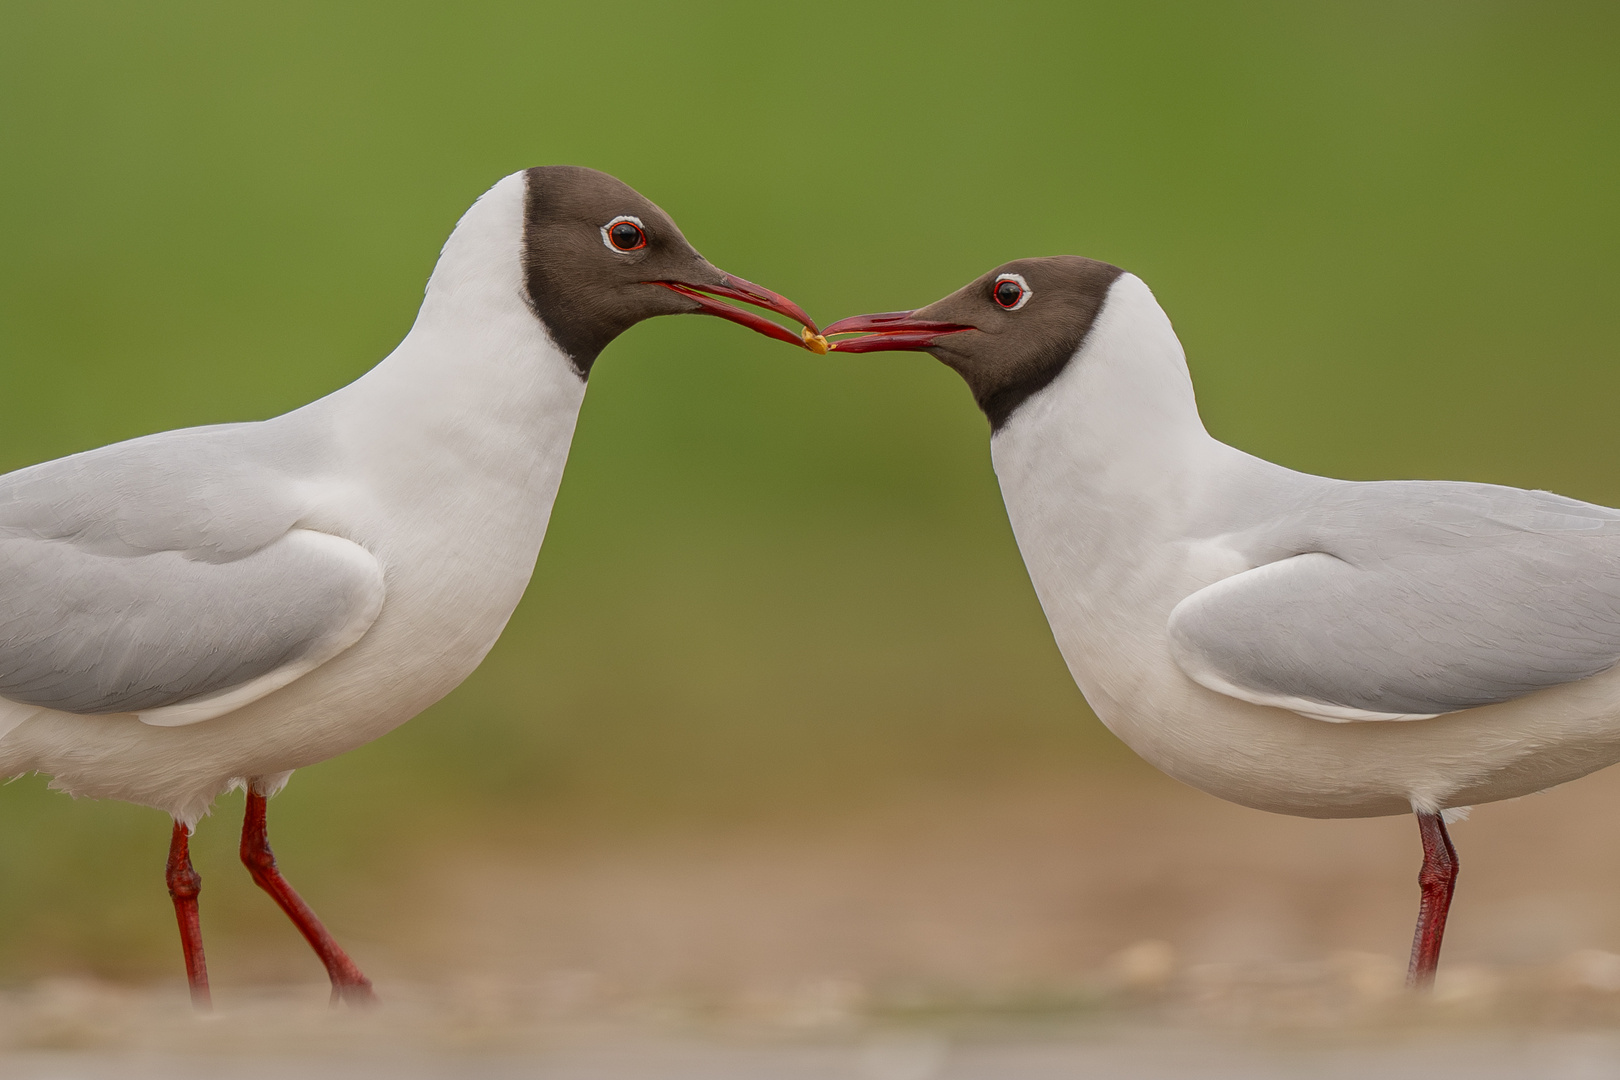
890 331
735 288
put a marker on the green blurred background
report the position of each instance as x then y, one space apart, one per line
778 585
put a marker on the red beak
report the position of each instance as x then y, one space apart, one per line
890 331
735 288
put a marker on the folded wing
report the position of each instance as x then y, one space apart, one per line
169 577
1407 600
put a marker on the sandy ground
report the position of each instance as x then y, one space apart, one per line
1129 1055
1032 885
1126 928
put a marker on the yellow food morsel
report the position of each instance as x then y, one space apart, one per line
814 342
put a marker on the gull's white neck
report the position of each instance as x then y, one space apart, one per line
477 402
1102 471
1110 455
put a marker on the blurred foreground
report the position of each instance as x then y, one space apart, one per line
1125 925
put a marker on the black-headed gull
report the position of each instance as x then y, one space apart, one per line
218 606
1289 642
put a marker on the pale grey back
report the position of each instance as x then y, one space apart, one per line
156 571
1416 596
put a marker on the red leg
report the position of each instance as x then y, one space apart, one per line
184 885
1437 879
347 981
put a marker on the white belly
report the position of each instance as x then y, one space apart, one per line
440 619
456 562
1274 759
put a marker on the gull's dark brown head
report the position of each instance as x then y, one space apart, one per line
598 258
1008 333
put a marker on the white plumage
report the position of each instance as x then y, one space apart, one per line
420 493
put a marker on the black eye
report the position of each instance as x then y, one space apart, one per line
1008 293
627 236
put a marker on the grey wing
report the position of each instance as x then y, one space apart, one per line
176 639
1403 601
168 577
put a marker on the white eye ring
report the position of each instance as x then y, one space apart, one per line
1016 279
607 242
